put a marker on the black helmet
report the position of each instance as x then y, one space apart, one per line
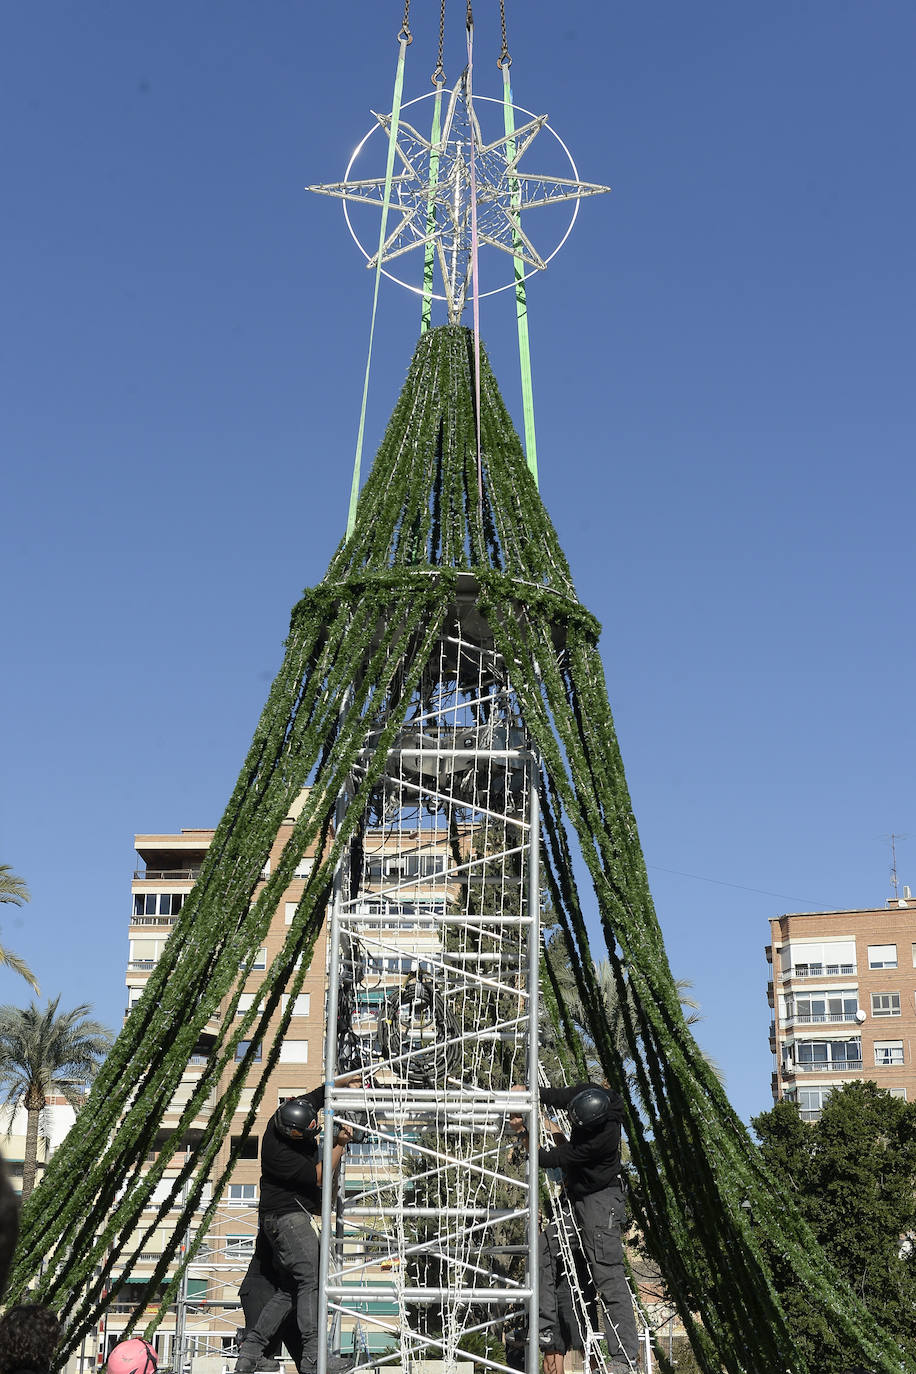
296 1118
591 1107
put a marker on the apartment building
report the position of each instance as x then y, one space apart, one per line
843 996
201 1328
55 1120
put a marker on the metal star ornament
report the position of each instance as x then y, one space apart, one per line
432 193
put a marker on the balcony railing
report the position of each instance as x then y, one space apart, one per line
153 920
819 1018
821 970
826 1066
166 875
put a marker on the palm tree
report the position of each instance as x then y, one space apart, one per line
13 889
561 967
42 1053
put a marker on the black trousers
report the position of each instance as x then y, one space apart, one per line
258 1286
601 1217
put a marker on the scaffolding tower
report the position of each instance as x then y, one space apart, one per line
433 997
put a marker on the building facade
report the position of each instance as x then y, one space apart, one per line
200 1331
201 1328
843 996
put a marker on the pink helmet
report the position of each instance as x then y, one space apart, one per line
135 1356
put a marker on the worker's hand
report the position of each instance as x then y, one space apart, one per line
517 1124
556 1131
344 1135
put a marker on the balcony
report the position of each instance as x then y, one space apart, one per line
166 875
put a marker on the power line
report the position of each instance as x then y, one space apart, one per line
742 887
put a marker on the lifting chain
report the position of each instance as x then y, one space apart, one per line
504 60
404 35
438 76
470 16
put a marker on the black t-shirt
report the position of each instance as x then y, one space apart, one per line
590 1159
289 1174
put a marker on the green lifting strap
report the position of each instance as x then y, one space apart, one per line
430 250
521 298
386 202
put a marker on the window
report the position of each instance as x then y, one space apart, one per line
294 1052
249 1148
197 1288
424 865
158 903
818 958
241 1050
144 953
885 1004
814 1055
824 1006
289 911
242 1194
914 956
811 1102
303 1002
882 956
888 1053
898 1092
246 1002
304 867
237 1246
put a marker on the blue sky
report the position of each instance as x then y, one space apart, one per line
723 365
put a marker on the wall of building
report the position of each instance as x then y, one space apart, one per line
843 998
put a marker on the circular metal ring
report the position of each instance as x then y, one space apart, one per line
496 290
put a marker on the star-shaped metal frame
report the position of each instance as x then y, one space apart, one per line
431 196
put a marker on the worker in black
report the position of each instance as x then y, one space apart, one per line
590 1163
290 1199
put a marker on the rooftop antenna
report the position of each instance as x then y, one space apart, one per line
894 883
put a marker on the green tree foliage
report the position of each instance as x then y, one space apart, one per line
853 1173
13 889
43 1053
564 980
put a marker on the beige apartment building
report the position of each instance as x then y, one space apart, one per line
200 1330
843 996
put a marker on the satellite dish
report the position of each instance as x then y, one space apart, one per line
860 1016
